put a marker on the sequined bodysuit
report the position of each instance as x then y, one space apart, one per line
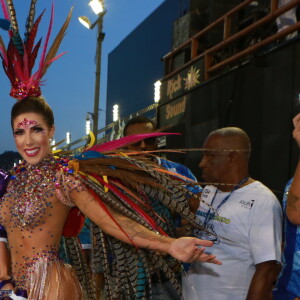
33 212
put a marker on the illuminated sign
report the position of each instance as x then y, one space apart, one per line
182 82
172 113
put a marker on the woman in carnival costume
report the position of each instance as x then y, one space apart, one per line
48 196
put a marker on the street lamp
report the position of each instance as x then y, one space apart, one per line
85 22
88 122
157 85
68 138
115 112
98 8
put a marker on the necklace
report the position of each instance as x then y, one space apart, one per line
210 215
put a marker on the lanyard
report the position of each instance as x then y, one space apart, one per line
210 215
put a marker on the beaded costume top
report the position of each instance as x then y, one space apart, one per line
34 195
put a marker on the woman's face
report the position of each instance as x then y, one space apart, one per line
32 136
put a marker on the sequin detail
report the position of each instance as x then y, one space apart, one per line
30 188
47 256
26 124
66 184
33 215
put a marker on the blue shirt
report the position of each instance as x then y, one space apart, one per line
288 284
181 170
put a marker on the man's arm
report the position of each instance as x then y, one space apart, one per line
263 280
185 249
293 199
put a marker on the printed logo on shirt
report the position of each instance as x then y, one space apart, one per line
205 192
213 217
247 204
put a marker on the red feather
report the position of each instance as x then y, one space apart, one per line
122 142
43 55
54 58
18 69
31 37
26 70
111 216
11 50
4 9
137 208
32 58
74 223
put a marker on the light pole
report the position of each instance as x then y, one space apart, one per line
99 10
100 37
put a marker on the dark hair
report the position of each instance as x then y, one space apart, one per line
36 105
138 120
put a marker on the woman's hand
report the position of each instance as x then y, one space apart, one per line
188 249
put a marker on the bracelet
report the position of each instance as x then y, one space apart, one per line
4 282
20 295
4 294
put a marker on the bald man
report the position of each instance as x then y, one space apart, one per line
246 218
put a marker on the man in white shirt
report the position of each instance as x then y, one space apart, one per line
246 219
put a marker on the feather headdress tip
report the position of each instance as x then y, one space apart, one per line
19 58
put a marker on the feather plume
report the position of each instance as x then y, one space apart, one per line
43 54
34 54
12 16
4 24
138 209
138 190
4 9
81 267
2 45
30 19
20 57
55 45
130 139
32 34
17 40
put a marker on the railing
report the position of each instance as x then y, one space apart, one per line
214 58
109 132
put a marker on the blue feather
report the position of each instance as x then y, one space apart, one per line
88 155
4 24
17 40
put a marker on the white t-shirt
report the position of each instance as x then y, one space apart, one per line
251 222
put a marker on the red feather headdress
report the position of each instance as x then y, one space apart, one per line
19 58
